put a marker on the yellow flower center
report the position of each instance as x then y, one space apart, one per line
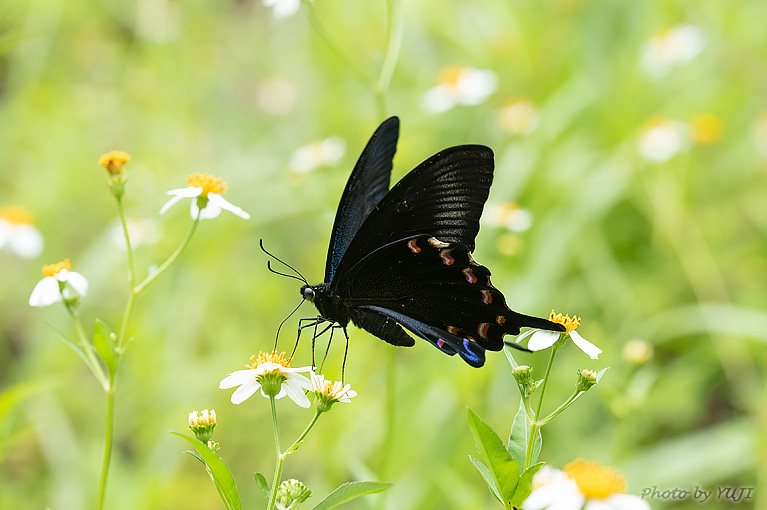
267 357
114 161
451 75
594 480
570 323
53 269
17 215
208 183
706 128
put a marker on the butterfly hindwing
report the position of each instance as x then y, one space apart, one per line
366 186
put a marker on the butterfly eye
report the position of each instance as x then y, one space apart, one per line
308 293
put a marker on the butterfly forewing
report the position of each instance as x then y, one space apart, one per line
366 186
442 197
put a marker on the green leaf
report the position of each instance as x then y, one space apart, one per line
525 485
104 343
218 471
505 470
488 476
262 483
74 347
520 436
349 491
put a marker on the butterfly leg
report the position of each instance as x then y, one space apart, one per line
303 324
346 351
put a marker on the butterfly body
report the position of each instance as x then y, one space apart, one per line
400 260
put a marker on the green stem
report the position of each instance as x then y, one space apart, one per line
393 45
546 379
560 408
129 250
108 439
138 289
534 428
303 434
280 458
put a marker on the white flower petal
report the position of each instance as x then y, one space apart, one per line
208 212
542 339
283 8
557 496
599 504
296 393
220 201
592 350
169 204
245 391
437 99
45 293
77 281
237 378
628 502
26 242
188 192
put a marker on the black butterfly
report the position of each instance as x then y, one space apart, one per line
400 259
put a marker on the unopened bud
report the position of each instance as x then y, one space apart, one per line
290 494
586 379
524 377
202 424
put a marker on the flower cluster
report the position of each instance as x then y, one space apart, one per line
542 339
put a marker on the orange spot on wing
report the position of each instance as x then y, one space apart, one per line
487 296
413 246
500 319
469 274
452 329
446 258
482 329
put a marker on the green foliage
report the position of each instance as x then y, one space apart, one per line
349 491
520 435
217 470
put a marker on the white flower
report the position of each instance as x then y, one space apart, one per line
508 215
18 233
58 284
662 139
542 339
459 86
271 373
671 48
206 189
582 485
316 154
518 117
283 8
327 393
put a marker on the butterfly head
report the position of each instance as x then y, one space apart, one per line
307 292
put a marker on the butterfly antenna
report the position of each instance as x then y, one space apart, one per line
269 267
277 337
300 276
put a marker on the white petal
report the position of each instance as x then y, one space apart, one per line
592 350
26 242
220 201
283 8
237 378
245 391
299 380
189 192
628 502
45 293
208 212
169 204
542 339
557 496
599 504
437 99
77 281
296 394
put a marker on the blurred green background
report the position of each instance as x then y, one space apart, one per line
642 163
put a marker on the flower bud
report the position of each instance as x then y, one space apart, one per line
290 494
114 161
202 425
586 379
524 377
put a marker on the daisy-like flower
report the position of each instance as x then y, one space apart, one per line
327 393
283 8
662 139
205 192
671 48
581 485
518 117
316 154
542 339
18 233
459 86
271 373
508 215
58 284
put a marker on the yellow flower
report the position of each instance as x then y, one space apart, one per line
114 161
271 373
205 191
58 284
543 339
706 128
